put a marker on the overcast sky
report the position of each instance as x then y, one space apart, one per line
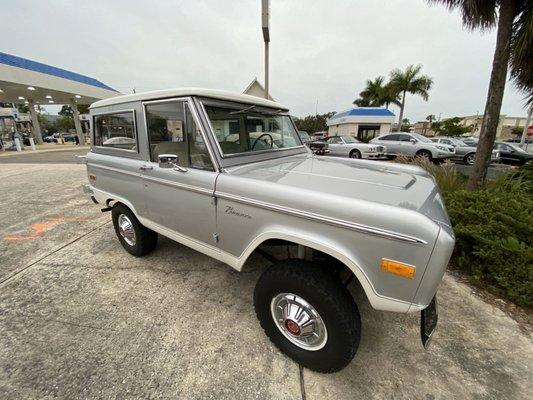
320 50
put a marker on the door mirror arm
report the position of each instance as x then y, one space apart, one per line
170 161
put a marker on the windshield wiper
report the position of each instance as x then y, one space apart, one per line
242 111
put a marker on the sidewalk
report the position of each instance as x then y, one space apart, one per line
44 148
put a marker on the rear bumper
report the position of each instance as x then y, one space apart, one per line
443 155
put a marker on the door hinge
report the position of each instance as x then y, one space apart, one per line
215 237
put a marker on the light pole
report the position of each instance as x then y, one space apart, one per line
265 24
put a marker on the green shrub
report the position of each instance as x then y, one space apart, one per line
494 231
493 228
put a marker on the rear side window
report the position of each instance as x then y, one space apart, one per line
404 138
390 137
116 130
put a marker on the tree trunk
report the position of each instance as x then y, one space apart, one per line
493 105
401 113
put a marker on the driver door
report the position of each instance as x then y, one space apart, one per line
335 145
178 199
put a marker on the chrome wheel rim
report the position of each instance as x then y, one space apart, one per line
424 155
470 159
125 228
299 321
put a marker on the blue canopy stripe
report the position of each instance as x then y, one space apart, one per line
35 66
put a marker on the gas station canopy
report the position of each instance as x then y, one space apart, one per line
24 80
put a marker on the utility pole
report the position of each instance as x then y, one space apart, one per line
524 132
265 24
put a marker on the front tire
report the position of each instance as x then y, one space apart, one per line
308 314
424 154
134 237
355 154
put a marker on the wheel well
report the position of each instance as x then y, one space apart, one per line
424 151
469 154
355 150
280 249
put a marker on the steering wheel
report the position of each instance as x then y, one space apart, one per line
259 138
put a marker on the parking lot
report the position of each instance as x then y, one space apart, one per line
81 318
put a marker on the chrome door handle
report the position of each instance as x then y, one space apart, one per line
146 168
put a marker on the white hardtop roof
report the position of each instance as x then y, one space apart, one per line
181 92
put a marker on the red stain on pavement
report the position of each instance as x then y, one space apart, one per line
39 228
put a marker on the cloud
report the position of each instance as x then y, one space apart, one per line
320 50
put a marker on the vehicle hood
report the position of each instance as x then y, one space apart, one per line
314 182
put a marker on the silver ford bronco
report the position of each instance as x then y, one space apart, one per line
227 175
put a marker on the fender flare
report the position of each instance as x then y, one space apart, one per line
377 301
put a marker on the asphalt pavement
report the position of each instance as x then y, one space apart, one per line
82 319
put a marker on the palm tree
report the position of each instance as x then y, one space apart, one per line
430 118
362 102
371 94
377 94
390 96
514 21
410 81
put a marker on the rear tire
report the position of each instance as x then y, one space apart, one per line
355 154
302 288
469 158
390 157
134 237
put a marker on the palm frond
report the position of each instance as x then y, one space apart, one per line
521 60
476 14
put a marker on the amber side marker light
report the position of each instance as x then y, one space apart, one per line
398 268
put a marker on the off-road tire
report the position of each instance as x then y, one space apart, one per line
330 298
145 239
355 154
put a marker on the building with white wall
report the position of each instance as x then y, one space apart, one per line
363 123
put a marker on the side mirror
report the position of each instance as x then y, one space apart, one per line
412 140
170 161
167 160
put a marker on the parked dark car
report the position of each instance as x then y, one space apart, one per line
512 154
319 147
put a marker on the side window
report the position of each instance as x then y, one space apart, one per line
445 141
390 137
404 138
116 130
172 130
335 140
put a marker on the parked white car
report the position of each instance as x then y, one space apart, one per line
413 144
348 146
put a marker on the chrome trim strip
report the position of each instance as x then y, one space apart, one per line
321 218
183 186
122 171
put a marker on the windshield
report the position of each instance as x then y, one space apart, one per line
458 142
349 139
421 138
516 148
248 130
304 135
